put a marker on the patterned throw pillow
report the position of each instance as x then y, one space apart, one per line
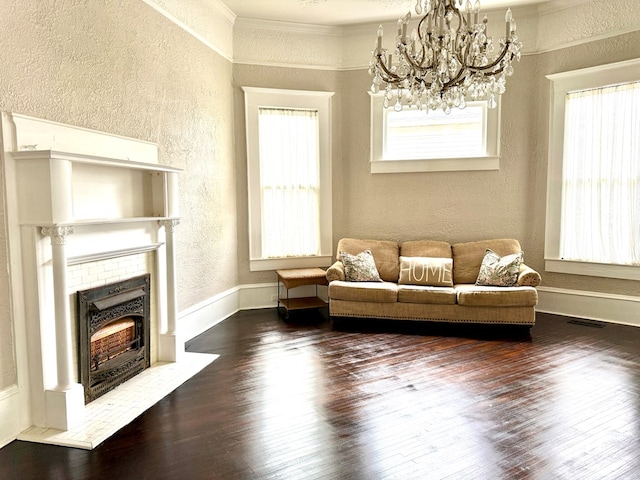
499 271
360 267
434 272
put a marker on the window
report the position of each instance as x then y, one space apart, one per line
593 205
289 178
414 140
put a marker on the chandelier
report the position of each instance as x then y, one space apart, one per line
447 60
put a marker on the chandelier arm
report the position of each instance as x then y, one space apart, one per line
495 62
422 47
392 77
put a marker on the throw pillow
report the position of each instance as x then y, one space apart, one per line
499 271
360 267
430 271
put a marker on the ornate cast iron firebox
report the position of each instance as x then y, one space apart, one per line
115 357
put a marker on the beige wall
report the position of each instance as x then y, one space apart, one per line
121 67
452 206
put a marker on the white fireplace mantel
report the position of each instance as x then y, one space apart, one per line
81 196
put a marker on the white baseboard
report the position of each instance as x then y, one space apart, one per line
622 309
204 315
195 320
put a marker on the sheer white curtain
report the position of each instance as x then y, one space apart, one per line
290 182
601 176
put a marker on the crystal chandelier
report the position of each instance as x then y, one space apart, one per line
447 60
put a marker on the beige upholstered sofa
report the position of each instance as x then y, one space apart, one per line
457 299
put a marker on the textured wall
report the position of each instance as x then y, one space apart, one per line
450 206
121 67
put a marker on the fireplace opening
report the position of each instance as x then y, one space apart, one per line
113 340
114 326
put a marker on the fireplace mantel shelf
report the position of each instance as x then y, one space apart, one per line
100 221
58 188
92 160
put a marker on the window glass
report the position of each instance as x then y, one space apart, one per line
413 140
290 182
601 175
415 134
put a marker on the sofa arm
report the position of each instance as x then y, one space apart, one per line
528 277
335 272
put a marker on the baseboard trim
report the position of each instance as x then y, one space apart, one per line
606 307
622 309
204 315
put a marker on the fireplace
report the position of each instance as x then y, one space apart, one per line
114 334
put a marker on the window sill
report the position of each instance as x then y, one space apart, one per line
625 272
436 165
265 264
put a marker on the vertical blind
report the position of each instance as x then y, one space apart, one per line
289 182
601 175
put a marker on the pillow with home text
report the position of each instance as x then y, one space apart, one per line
428 271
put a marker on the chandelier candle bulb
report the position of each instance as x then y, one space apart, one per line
508 17
380 31
476 12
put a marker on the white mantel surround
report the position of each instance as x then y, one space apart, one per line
76 196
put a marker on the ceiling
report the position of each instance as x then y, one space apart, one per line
341 12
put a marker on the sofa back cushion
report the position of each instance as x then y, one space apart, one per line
467 257
385 254
425 248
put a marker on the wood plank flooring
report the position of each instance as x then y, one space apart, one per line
376 400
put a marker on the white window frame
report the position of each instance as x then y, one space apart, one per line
256 98
378 164
561 84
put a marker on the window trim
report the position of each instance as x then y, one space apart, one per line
490 161
560 85
304 99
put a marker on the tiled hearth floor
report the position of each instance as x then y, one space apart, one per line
115 409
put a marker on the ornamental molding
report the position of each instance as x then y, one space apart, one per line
58 234
170 224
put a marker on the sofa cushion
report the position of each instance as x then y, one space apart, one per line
431 295
385 254
378 292
425 248
499 271
483 296
467 257
431 271
360 267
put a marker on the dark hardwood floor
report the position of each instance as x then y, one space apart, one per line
376 400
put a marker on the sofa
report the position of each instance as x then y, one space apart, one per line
478 282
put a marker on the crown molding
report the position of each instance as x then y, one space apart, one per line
553 6
223 10
290 27
214 29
